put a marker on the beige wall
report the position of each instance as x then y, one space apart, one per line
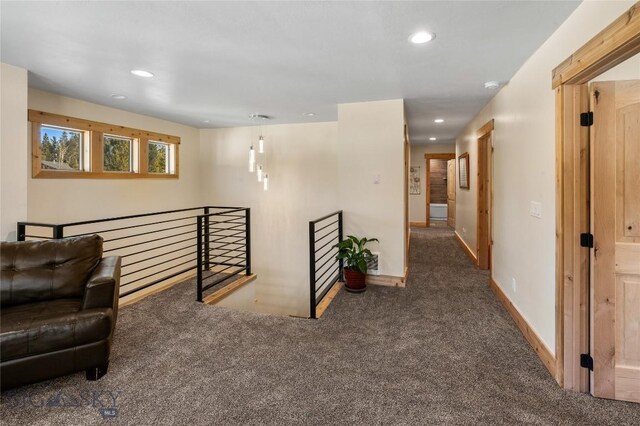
417 203
524 170
14 165
371 141
302 162
63 200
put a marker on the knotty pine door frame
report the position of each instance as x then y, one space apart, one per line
427 169
618 42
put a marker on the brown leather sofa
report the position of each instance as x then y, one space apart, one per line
59 308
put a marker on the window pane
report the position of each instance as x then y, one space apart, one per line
158 157
117 154
61 149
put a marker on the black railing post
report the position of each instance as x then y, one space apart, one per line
207 249
58 231
340 236
21 231
247 242
312 271
199 260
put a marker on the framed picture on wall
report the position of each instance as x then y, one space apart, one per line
463 170
414 180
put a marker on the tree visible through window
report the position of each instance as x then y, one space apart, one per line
60 148
117 154
158 157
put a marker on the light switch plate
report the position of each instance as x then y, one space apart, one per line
535 209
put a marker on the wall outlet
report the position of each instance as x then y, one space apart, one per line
513 285
464 230
376 179
535 209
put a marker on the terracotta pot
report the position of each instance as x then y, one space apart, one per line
354 281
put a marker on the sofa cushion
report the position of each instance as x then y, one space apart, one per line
41 327
33 271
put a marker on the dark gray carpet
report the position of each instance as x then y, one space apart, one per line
441 351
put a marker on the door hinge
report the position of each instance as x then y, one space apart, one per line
586 240
586 361
586 119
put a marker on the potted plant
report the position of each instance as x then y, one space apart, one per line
355 257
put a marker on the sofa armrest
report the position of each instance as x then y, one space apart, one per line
104 284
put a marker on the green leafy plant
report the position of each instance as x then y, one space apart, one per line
354 254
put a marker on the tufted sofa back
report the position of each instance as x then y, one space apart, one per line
34 271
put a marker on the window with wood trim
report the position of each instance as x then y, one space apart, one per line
68 147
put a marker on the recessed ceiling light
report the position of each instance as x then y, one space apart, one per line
421 37
432 139
119 97
259 116
438 120
309 114
142 73
492 85
206 121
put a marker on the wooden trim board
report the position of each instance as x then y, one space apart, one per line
217 296
89 125
418 224
466 248
328 298
543 352
386 280
619 41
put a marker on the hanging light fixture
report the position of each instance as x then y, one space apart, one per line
259 172
261 145
252 159
266 181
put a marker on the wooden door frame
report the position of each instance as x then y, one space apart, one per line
618 42
427 169
482 207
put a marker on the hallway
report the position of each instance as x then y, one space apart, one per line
441 351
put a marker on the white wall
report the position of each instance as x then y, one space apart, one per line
63 200
14 164
524 170
371 141
302 162
417 203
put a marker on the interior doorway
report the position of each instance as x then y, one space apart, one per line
437 205
485 195
619 41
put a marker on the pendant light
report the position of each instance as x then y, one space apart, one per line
266 181
252 159
261 145
259 172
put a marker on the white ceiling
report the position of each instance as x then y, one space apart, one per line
221 61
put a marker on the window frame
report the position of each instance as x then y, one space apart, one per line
93 141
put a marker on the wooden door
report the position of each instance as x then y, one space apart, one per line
451 193
484 185
615 284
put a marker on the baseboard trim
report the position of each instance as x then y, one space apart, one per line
466 248
225 291
543 352
328 298
387 280
418 224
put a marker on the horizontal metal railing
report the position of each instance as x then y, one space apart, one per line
154 247
224 247
324 268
